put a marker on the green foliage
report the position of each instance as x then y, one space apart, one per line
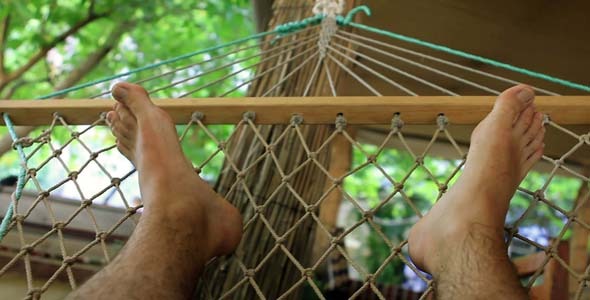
203 150
160 30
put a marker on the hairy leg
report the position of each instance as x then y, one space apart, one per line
184 223
461 240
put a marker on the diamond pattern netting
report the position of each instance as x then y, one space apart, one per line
51 149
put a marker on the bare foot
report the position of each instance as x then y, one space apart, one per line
171 190
504 147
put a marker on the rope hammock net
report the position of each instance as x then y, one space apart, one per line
278 172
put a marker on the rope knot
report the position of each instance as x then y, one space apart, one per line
340 123
328 7
222 145
335 240
307 273
116 181
24 142
330 10
73 175
296 120
102 118
539 195
420 160
442 121
27 249
396 122
249 116
101 235
59 225
19 218
68 260
32 172
197 116
249 273
86 203
286 179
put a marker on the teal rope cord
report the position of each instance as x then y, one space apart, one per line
21 178
459 53
345 21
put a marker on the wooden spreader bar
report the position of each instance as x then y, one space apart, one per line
566 110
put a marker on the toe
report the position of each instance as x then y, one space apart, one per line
535 144
118 128
125 115
125 150
110 117
512 102
122 132
535 127
133 96
524 121
532 160
113 119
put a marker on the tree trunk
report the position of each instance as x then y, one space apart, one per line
273 275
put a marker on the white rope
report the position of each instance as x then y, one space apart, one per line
330 80
401 72
355 76
422 66
371 70
445 62
330 9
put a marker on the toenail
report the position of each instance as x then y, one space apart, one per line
525 95
119 92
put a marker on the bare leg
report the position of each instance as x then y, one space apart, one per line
184 223
460 241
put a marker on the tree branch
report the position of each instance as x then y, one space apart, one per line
45 49
3 37
91 7
76 75
93 59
